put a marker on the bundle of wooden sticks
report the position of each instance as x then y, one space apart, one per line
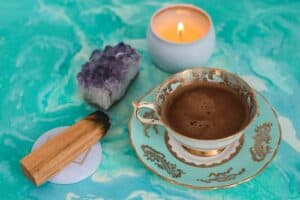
60 150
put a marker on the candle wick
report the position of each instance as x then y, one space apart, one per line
180 28
180 33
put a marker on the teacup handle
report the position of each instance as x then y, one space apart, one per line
142 104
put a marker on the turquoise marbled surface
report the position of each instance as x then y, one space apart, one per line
43 44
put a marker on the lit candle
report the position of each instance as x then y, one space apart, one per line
180 29
180 36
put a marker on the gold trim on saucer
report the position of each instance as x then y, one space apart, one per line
199 187
222 176
238 148
160 161
262 138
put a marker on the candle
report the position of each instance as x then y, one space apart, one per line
180 36
180 24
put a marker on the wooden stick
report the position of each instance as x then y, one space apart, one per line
51 157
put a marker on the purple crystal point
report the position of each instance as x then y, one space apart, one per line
107 74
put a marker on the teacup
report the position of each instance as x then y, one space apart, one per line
202 147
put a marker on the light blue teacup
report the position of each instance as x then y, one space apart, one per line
206 147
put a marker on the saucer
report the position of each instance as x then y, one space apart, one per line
244 160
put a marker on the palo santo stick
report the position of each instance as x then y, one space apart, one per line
60 150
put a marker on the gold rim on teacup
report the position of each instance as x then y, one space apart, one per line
219 76
208 153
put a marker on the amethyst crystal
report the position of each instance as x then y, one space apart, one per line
106 76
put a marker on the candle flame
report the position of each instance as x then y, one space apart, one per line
180 28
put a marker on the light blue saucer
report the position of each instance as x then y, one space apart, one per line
261 141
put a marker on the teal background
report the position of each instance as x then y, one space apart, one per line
43 44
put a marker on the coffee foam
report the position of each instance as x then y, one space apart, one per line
205 111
